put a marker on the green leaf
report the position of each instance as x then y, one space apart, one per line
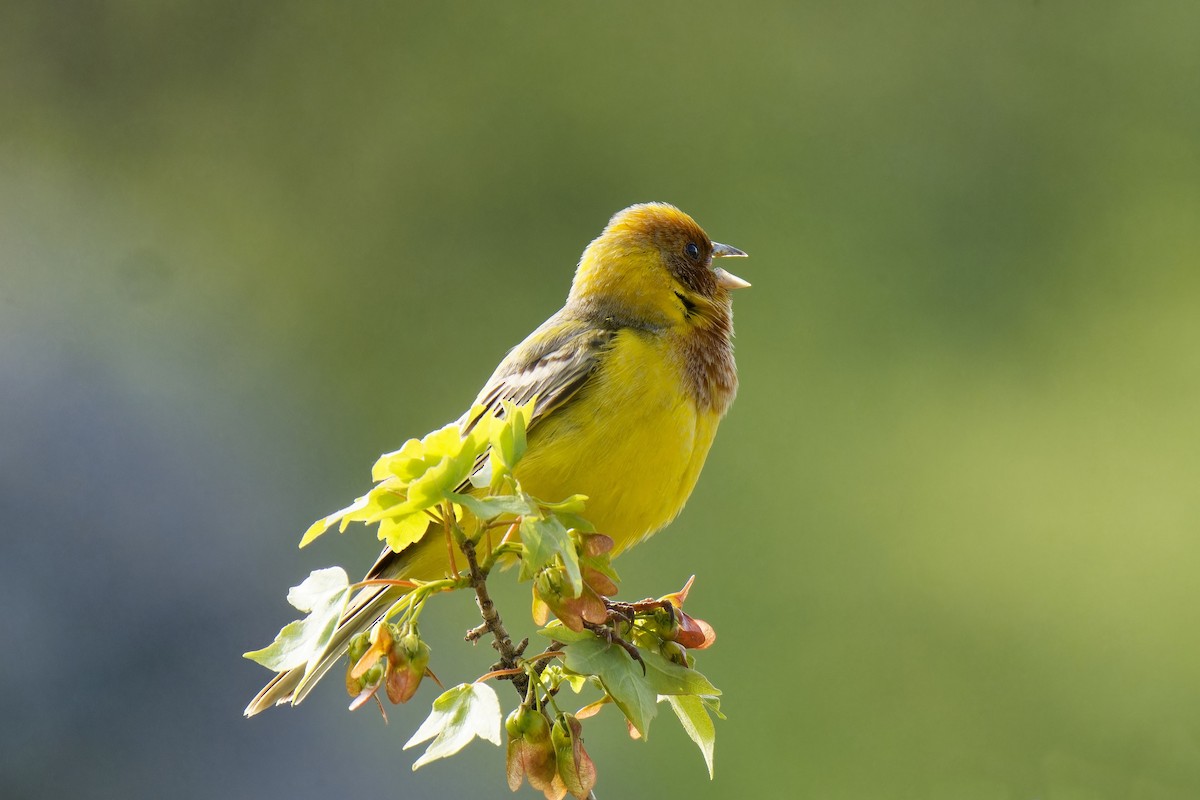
696 723
458 716
544 539
559 632
713 704
324 594
445 442
621 675
573 505
400 532
503 449
425 470
323 524
429 489
383 501
406 463
667 677
507 436
519 416
488 508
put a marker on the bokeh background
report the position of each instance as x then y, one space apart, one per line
948 534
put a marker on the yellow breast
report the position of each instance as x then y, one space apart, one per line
633 441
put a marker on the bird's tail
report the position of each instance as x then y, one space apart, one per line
294 685
367 607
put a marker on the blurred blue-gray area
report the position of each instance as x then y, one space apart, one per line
949 535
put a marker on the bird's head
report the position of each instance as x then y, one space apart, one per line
655 263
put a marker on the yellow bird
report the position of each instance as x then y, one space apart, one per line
631 376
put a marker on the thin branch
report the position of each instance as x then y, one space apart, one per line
510 654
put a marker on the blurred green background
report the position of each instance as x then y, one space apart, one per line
948 534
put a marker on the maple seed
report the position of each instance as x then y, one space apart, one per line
576 772
530 754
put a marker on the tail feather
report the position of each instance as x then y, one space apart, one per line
367 607
355 623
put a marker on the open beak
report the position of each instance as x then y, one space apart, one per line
727 280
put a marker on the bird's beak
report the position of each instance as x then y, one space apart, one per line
727 280
726 251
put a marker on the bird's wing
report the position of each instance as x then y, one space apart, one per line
553 363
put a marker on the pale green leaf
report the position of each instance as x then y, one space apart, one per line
445 442
696 723
559 632
488 508
406 463
503 448
667 677
424 470
544 539
554 676
428 489
458 716
323 524
324 595
518 417
400 532
482 477
507 435
317 588
572 505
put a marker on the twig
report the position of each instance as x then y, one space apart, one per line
510 654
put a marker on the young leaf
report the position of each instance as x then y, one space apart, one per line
317 588
458 716
508 435
572 505
621 675
400 532
323 524
669 678
488 508
324 594
544 539
406 463
428 489
561 633
384 500
423 471
713 704
696 723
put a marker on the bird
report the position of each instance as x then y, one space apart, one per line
631 378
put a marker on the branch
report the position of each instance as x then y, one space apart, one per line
510 654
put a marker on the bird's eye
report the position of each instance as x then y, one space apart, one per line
692 250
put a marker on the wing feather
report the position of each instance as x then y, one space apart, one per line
553 363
